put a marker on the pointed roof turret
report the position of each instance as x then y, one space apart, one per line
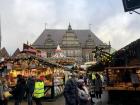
58 53
58 48
69 27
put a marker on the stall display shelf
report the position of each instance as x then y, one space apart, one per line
56 89
120 78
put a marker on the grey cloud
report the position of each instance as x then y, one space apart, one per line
24 20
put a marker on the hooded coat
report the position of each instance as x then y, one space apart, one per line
71 92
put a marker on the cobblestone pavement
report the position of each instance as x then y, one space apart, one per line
61 101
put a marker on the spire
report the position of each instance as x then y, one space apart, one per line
58 53
58 48
69 27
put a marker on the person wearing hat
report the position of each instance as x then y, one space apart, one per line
71 91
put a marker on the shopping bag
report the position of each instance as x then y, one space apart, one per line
7 94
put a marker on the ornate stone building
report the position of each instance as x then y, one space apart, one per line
74 43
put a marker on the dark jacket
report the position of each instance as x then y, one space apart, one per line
30 86
98 85
71 92
19 90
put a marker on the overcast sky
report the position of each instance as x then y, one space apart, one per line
23 20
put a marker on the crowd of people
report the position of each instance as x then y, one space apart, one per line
77 91
33 87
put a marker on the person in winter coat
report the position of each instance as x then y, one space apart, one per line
98 86
84 97
38 91
30 89
71 91
19 91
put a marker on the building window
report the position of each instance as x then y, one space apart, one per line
65 52
87 57
78 53
48 54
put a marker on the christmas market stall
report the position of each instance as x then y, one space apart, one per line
124 75
123 83
29 64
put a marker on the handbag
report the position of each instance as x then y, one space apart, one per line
92 94
6 94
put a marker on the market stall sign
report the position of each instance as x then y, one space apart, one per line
130 5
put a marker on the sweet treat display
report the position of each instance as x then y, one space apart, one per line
123 79
52 74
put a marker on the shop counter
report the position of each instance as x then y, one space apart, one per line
123 95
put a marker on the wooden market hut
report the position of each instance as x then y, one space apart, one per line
124 75
128 55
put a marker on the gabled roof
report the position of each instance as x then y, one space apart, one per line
16 52
4 53
57 34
